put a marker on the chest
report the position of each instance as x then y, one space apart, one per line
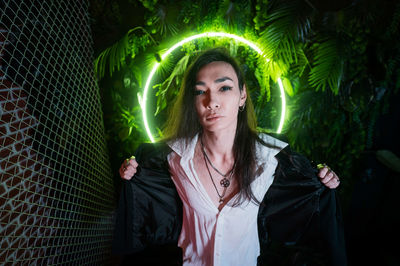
220 186
198 191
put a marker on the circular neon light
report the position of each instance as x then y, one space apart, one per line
143 100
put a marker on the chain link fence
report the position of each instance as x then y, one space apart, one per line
56 192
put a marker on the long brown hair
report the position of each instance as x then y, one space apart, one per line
183 123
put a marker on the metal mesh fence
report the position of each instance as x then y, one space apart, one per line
56 192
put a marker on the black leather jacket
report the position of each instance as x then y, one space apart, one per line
299 219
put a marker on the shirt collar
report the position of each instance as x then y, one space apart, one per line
185 149
264 153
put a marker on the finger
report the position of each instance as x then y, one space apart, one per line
131 159
333 183
131 167
122 168
131 170
127 175
328 177
134 163
323 171
122 174
131 163
125 165
127 172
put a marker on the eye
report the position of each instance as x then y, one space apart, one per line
225 88
198 92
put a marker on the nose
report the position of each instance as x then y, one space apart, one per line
212 101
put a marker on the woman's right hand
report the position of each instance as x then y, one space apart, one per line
128 168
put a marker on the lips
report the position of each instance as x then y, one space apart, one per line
213 117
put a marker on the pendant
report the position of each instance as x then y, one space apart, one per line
221 200
225 182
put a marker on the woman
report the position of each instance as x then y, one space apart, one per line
220 166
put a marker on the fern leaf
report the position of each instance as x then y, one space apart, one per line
287 85
327 69
302 62
163 89
277 37
114 55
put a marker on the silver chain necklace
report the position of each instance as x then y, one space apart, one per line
225 181
221 197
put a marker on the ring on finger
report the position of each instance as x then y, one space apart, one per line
323 165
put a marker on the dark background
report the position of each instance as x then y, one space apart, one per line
344 106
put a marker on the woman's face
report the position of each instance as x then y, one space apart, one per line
218 97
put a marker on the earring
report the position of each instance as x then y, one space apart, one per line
241 108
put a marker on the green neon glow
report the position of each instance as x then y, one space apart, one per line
283 106
143 100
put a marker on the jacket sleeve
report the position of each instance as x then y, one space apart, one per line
149 212
300 221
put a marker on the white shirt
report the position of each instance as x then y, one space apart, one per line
213 237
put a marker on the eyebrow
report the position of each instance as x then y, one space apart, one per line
219 80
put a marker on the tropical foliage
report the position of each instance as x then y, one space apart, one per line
338 61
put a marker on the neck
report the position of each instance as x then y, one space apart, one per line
219 146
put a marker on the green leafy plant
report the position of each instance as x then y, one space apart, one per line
338 64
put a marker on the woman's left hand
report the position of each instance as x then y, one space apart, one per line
328 177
